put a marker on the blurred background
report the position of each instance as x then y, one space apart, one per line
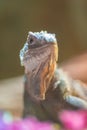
67 19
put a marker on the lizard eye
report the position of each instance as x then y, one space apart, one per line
31 40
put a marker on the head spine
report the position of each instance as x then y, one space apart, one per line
44 35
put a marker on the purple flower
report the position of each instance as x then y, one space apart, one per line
5 119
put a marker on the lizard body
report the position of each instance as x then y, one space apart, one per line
48 90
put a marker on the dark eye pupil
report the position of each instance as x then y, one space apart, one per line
31 40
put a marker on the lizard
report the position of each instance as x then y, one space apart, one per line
48 89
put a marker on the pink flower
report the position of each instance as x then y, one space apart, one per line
7 122
74 120
30 124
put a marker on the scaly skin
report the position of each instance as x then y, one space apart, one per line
48 90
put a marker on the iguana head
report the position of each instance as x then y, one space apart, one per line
39 56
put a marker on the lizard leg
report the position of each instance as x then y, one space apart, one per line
68 97
75 101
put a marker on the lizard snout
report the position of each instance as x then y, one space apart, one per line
22 53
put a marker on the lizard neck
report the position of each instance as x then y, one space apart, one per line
39 79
